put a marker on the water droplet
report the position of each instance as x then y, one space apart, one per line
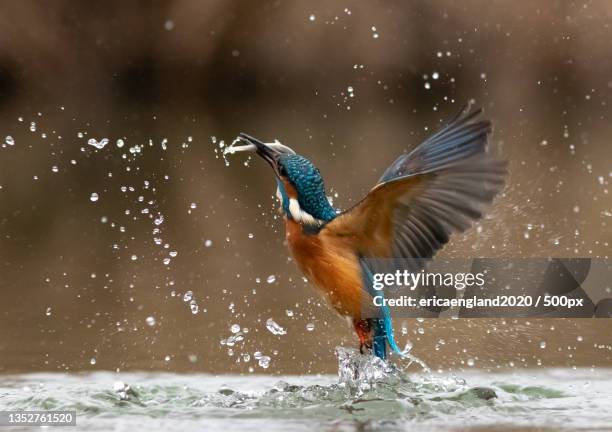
579 338
169 25
264 361
310 326
194 307
435 75
48 311
543 344
312 17
167 358
9 140
193 205
134 257
235 328
208 243
470 362
274 328
188 296
120 143
33 127
173 253
54 168
98 144
150 321
93 197
289 313
271 279
92 361
159 220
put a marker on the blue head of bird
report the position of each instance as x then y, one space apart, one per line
300 186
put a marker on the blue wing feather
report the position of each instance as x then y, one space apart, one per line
460 139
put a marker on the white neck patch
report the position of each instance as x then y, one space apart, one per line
300 215
296 211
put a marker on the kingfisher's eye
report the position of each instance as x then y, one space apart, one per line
282 170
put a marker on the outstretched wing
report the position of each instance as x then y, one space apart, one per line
439 188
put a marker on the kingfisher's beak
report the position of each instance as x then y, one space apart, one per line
268 153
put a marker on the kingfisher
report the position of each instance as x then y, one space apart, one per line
439 188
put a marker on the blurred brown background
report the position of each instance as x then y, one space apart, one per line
78 278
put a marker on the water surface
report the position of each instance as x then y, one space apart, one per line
367 396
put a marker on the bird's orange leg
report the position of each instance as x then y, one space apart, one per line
364 332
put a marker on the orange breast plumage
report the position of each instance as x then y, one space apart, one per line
330 265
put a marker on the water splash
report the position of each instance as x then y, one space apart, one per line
98 144
124 391
363 372
275 328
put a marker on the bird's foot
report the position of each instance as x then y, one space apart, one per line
362 327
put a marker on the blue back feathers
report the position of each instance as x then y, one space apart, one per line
309 185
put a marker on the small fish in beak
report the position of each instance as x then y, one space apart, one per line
250 144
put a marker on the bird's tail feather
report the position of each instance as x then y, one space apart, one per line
379 339
388 325
382 327
383 335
